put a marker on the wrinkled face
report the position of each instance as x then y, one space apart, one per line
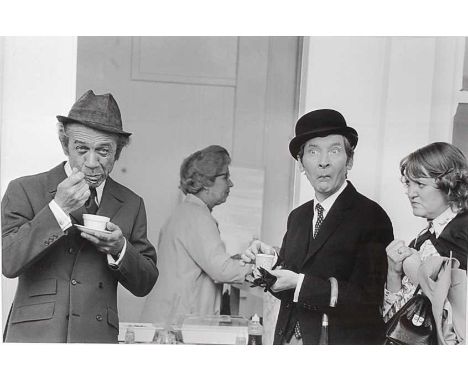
426 199
91 151
219 191
325 164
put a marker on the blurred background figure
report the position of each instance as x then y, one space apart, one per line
193 261
436 181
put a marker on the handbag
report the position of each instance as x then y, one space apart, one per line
413 324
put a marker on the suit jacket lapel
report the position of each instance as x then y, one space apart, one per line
112 199
54 177
332 221
303 235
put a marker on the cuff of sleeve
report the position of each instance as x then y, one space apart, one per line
62 218
298 287
114 263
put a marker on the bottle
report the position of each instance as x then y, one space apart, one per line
130 336
255 331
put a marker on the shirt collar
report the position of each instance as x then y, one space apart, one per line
328 202
441 221
99 190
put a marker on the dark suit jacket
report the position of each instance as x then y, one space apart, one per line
66 291
350 246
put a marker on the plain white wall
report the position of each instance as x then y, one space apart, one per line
38 82
399 93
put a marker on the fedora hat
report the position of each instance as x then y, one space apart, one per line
99 112
320 123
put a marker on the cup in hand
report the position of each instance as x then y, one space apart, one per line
95 221
264 261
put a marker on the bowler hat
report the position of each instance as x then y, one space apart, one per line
320 123
99 112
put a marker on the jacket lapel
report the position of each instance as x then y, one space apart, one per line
112 199
334 218
302 236
54 177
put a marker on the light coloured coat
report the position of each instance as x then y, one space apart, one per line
193 263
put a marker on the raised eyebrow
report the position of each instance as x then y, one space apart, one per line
77 141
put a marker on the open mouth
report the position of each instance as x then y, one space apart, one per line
93 179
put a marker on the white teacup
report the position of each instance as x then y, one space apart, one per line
265 261
95 221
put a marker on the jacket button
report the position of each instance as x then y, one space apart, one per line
99 317
280 332
73 282
70 251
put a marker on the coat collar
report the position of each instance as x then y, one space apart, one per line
54 177
112 199
335 217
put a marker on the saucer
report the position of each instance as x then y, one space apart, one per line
82 228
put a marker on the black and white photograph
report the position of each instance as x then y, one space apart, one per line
196 190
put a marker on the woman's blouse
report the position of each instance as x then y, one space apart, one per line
393 301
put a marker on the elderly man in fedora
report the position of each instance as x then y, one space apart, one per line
67 279
334 244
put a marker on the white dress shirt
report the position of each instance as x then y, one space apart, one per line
327 205
64 220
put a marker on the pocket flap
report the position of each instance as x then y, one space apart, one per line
112 318
43 287
34 312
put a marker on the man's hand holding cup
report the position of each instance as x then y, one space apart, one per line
108 243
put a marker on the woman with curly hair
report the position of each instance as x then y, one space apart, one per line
192 258
436 181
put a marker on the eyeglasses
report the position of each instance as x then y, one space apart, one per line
226 175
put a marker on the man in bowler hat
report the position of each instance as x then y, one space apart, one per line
334 244
67 279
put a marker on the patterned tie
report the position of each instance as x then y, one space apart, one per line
297 331
91 205
319 221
